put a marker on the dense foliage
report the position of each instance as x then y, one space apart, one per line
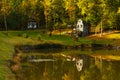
57 14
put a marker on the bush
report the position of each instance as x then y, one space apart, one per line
25 35
19 35
39 37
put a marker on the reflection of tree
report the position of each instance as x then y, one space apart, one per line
116 68
111 70
69 71
93 73
66 70
66 77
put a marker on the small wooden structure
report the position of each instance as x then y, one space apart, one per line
32 24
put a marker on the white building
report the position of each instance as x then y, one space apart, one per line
80 25
83 28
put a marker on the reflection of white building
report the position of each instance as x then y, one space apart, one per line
78 61
79 64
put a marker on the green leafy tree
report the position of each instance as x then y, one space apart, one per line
47 4
111 10
70 7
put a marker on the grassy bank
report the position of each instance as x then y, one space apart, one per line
7 42
11 38
6 51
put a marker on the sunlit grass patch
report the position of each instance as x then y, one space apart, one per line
113 36
114 57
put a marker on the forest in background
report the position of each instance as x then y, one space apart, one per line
58 14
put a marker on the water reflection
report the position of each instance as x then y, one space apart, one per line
67 67
79 64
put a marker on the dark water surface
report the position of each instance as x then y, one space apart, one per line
61 66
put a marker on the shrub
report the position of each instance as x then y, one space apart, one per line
39 37
19 35
25 35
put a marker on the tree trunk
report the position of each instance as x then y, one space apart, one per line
101 28
46 23
5 21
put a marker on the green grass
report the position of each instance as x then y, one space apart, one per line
6 52
68 40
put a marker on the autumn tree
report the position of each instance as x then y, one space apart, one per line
5 11
70 7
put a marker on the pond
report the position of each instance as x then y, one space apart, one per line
66 65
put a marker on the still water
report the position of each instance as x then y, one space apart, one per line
61 66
